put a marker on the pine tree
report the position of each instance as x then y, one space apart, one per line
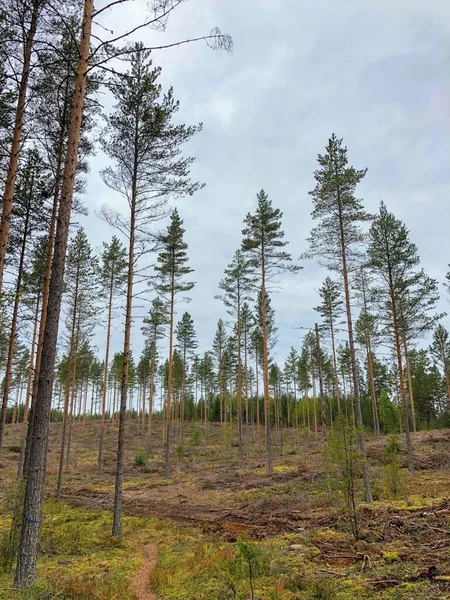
112 281
393 258
144 145
171 271
440 349
416 306
29 217
335 241
80 280
219 348
36 442
264 243
291 371
25 20
154 330
187 343
237 285
331 310
247 324
366 329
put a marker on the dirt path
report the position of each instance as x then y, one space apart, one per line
139 584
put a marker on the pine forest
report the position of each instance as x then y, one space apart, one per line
224 286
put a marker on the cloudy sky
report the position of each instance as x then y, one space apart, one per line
375 72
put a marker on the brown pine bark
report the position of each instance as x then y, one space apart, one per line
169 386
410 388
105 378
335 367
117 511
13 331
373 397
8 193
70 385
33 497
151 400
409 449
239 383
323 411
266 374
351 343
48 268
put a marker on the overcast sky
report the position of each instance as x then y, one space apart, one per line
375 72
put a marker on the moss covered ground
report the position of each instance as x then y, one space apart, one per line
225 530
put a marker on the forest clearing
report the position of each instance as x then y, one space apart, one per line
298 530
210 389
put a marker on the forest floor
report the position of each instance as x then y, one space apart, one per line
195 535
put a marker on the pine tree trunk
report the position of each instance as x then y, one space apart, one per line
373 396
409 448
183 397
8 193
323 411
105 379
31 374
48 269
12 335
117 511
150 400
31 368
28 548
266 375
410 388
335 368
169 385
258 418
351 342
239 384
247 421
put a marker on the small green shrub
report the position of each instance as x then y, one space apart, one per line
322 588
195 438
179 451
393 478
140 460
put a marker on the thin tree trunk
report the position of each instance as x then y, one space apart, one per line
376 421
410 388
323 411
239 383
150 400
266 375
105 377
31 374
169 385
117 511
12 335
8 193
33 498
400 373
335 368
351 342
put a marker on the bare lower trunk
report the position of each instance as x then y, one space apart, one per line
376 421
335 368
351 343
150 401
266 379
239 386
169 388
323 411
105 383
33 497
12 335
117 511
